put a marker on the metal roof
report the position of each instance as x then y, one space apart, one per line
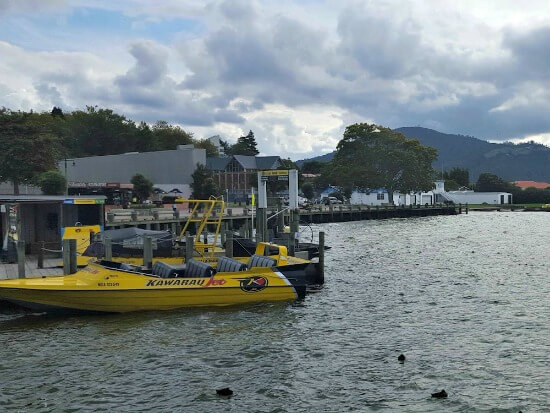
217 163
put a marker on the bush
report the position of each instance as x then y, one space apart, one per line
52 183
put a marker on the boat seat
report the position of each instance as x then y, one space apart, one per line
261 261
197 269
164 270
226 264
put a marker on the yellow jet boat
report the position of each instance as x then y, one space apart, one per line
114 287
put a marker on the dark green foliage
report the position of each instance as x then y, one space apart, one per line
488 182
312 167
246 145
211 150
166 136
371 156
307 190
531 196
460 176
30 145
203 185
142 186
52 183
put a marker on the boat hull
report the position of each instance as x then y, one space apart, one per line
99 289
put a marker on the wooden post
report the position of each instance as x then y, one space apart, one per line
147 252
66 257
229 244
223 233
467 208
41 254
189 247
72 256
21 259
108 245
321 276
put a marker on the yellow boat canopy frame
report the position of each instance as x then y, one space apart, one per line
204 213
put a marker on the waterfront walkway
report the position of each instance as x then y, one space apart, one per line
31 268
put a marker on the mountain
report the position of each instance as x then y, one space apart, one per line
512 162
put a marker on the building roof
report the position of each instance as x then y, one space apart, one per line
217 163
268 162
531 184
248 162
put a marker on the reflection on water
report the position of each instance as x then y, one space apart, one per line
464 298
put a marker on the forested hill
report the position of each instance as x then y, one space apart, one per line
527 161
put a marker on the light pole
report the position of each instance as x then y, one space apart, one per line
66 179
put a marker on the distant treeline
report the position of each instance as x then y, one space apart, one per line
33 143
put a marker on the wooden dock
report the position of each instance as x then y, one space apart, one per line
235 218
31 268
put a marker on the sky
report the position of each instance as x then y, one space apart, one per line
296 73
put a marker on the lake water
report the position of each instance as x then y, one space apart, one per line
465 298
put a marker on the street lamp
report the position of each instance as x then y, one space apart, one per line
66 180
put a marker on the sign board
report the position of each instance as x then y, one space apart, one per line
275 172
74 201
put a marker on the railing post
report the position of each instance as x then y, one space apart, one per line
21 259
147 252
41 255
108 246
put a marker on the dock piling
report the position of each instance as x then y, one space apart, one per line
148 252
189 247
41 255
21 259
72 256
229 244
321 276
66 257
108 244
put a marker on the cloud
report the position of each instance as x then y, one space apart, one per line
297 73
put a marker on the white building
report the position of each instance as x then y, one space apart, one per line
380 197
216 141
468 196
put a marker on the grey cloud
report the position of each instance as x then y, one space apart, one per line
50 93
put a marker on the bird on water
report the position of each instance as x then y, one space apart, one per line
440 394
226 391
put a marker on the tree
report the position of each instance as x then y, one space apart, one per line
52 183
459 175
167 136
246 145
488 182
203 185
142 186
372 156
312 167
211 150
307 190
29 147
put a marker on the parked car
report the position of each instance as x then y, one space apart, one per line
331 200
